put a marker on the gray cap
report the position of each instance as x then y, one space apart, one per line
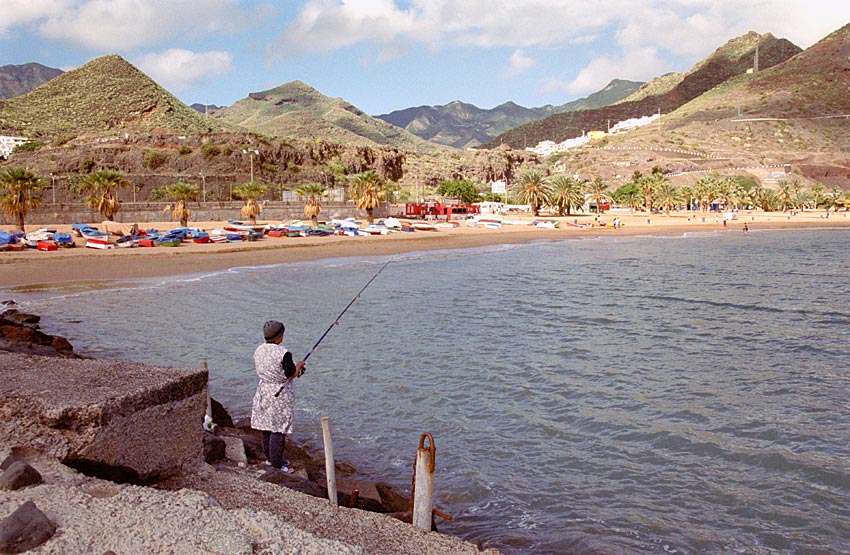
273 329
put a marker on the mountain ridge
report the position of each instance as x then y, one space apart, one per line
16 80
462 125
103 95
733 58
295 109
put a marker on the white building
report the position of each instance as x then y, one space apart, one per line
8 144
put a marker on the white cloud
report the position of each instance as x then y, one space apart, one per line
685 27
113 25
518 63
636 65
14 13
178 70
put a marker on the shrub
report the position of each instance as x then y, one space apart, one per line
87 165
30 146
210 150
184 150
155 158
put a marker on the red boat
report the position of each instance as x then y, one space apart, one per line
47 246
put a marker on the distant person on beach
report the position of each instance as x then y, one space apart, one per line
273 402
746 229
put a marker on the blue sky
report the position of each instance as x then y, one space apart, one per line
385 55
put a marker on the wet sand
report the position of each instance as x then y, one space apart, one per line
32 267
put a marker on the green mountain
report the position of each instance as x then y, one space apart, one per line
462 125
16 80
103 96
734 58
297 110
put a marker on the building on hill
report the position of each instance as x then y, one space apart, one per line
8 144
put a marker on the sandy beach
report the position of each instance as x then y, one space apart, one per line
31 267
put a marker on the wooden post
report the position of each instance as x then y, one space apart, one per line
423 489
208 417
329 459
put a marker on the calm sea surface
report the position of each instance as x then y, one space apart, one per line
618 395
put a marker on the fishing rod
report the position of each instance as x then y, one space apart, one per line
341 314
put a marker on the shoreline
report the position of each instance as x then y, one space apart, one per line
35 268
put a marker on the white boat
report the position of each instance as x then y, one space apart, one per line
424 226
546 224
447 225
348 223
95 243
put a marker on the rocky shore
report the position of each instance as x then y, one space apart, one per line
105 457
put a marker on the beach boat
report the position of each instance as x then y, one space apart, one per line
233 225
202 237
424 226
348 223
491 225
233 237
546 224
147 242
447 225
47 246
376 229
16 247
218 239
99 243
126 241
64 240
276 232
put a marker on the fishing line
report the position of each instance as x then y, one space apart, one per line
341 314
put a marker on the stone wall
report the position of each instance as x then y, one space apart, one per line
140 212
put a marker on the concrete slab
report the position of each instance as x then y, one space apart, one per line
143 421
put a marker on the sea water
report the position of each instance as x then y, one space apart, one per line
613 395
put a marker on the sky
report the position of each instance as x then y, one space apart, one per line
385 55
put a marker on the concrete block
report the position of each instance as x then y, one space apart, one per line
137 420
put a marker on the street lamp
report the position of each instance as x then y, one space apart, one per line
252 152
53 184
203 187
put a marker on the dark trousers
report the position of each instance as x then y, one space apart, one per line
273 443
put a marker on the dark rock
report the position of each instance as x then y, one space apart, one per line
19 476
20 318
275 476
214 448
393 500
220 415
25 529
9 461
61 344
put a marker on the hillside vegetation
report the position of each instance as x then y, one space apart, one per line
732 59
105 95
296 110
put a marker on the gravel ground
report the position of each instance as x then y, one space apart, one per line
226 511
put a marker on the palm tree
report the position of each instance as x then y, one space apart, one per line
705 191
102 187
834 199
369 190
249 192
668 195
598 190
769 200
788 193
182 192
19 193
820 196
648 184
313 192
533 189
566 193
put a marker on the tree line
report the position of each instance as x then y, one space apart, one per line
21 192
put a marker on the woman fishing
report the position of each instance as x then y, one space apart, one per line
273 402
